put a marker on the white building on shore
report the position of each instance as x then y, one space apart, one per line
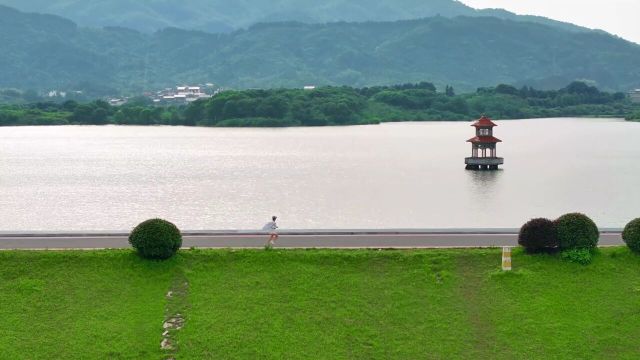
117 101
635 95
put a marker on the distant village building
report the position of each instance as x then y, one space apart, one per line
484 154
117 102
309 87
181 95
56 93
634 95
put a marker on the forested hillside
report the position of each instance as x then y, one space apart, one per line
225 15
47 52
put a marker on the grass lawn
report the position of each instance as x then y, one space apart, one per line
321 304
81 305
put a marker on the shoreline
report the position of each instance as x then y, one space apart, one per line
610 117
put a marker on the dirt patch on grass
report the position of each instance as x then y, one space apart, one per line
472 277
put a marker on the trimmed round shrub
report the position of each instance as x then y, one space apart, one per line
631 235
538 235
156 239
577 231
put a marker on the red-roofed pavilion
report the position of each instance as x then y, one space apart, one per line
484 155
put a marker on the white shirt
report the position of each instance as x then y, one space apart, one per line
271 225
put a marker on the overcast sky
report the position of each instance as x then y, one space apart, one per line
619 17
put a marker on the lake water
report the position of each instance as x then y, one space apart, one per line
401 175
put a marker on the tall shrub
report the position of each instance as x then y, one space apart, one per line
538 235
156 239
631 235
577 231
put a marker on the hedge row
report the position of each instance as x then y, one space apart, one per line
575 234
631 235
570 231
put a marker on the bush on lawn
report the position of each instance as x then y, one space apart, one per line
631 235
156 239
538 235
577 231
582 256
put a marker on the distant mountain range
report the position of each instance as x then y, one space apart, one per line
230 15
49 52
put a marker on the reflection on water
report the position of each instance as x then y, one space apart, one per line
484 183
402 175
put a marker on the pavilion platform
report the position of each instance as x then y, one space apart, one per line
483 163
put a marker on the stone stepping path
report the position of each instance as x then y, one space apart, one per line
174 319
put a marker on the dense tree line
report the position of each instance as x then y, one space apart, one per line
334 106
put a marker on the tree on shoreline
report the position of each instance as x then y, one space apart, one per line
333 106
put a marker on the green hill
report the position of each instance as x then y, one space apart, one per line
48 52
224 16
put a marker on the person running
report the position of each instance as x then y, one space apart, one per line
272 227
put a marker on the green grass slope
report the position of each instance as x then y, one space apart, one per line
81 305
322 304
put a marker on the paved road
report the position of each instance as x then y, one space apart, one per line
409 240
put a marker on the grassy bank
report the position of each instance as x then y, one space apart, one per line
80 305
321 304
634 117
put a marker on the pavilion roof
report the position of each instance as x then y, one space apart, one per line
484 122
484 139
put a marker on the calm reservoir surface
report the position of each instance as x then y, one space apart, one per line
402 175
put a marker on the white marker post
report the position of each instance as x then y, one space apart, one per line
506 258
